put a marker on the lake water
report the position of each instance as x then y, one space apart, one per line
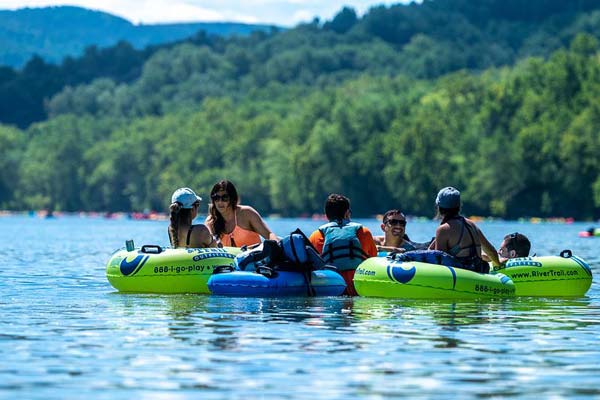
66 333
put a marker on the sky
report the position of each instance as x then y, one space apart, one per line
278 12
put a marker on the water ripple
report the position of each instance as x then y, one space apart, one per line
67 334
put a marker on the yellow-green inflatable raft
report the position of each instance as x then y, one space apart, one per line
385 277
552 276
153 269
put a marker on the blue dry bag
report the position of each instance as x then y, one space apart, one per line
294 248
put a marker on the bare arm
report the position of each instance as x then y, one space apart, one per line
432 245
391 249
441 238
208 222
258 225
488 249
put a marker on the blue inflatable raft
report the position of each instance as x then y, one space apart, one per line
276 283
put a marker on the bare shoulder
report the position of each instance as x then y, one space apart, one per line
445 227
248 217
201 236
473 224
201 227
442 233
248 213
246 210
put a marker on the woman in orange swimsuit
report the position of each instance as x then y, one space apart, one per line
233 224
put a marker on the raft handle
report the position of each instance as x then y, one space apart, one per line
392 255
151 249
219 269
266 271
566 254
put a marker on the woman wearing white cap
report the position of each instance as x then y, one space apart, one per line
183 210
459 236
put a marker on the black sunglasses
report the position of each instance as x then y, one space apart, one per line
216 197
396 222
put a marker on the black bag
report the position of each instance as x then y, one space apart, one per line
267 254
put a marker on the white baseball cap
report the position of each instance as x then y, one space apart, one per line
186 197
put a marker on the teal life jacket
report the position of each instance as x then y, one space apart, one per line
341 246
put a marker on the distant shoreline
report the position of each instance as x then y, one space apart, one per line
159 216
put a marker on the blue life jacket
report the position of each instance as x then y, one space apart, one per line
341 246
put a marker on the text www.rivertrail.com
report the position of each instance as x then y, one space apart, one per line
544 274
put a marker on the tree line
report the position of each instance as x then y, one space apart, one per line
422 41
517 140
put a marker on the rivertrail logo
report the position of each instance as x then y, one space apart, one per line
523 262
132 267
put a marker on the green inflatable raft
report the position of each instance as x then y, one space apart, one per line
386 277
552 276
153 269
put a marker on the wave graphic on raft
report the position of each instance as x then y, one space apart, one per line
400 274
132 267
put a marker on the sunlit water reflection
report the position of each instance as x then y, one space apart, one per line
67 334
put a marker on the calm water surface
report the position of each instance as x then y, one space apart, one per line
65 332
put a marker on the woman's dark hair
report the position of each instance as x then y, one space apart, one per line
336 206
178 216
217 219
447 213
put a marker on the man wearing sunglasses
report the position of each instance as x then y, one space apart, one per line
394 237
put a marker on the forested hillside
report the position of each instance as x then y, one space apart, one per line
423 41
57 32
343 106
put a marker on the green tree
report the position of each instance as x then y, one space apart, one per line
12 145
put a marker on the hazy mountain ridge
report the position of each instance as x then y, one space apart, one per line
56 32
